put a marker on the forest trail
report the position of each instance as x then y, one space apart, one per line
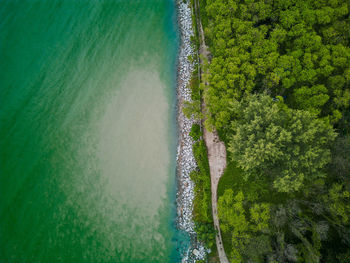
216 148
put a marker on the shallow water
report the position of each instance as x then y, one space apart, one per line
88 134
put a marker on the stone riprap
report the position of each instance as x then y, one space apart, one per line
185 159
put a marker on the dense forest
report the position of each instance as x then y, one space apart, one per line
279 96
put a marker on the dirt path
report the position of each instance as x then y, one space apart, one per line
216 149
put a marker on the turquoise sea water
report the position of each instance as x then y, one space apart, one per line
88 137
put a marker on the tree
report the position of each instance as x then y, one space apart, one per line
311 98
338 204
196 132
248 228
289 146
340 164
192 108
296 49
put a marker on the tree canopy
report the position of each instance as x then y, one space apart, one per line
298 49
279 96
290 146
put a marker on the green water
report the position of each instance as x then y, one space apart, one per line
88 138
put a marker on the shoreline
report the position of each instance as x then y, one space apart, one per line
215 147
184 157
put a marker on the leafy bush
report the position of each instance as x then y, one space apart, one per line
202 213
196 132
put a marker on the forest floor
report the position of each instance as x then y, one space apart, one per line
216 148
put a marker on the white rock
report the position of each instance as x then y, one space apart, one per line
195 252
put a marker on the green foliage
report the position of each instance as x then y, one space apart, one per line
289 146
196 132
206 233
194 38
297 49
247 227
311 99
265 213
338 204
200 154
284 196
192 109
260 215
194 86
232 213
340 164
344 257
202 214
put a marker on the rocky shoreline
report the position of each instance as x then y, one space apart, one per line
185 159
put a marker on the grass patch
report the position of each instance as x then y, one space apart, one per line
231 177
